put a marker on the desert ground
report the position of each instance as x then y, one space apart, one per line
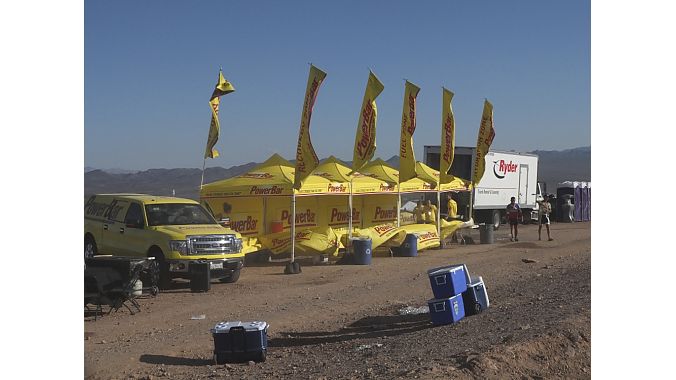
343 322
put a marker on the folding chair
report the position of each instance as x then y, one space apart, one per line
92 295
122 291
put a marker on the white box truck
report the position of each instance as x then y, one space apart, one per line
507 174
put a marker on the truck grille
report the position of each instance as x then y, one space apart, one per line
213 245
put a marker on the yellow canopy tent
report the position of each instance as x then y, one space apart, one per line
272 177
335 170
426 181
257 202
258 206
430 175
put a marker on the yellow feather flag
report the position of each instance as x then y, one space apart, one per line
447 137
306 158
406 154
365 140
223 87
483 142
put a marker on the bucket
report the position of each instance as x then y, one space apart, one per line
486 233
276 226
137 289
409 248
361 248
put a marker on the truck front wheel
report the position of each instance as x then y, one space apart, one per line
232 278
89 247
163 277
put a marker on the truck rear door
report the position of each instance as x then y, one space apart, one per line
115 220
523 184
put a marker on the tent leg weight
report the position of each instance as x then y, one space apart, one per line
292 268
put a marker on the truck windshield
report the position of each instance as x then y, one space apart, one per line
166 214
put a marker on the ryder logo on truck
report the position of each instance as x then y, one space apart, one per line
501 168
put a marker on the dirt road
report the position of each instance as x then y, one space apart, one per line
336 321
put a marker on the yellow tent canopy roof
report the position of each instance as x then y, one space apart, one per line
272 177
275 177
430 175
335 170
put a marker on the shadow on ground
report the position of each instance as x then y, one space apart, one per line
173 360
365 328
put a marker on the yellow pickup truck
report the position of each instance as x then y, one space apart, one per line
175 231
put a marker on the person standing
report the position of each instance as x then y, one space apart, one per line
452 208
430 212
513 216
418 212
545 210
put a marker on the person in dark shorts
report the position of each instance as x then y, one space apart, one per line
513 216
545 210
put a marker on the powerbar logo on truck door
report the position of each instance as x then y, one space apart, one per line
501 168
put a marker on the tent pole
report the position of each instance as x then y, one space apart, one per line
265 219
471 203
439 215
399 205
293 227
349 214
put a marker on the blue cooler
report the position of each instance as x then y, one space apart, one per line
361 251
475 297
448 281
240 341
446 310
409 248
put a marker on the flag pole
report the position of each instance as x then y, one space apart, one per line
204 164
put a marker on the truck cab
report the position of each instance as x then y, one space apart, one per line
177 232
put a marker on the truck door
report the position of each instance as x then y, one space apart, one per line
115 218
523 184
131 235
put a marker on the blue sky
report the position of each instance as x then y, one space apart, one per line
150 67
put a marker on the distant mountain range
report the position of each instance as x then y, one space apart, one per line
554 167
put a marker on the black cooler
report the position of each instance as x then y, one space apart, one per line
200 276
240 341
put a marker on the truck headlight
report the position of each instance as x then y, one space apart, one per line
180 246
238 245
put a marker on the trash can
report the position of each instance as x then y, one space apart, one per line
361 251
200 277
567 209
409 248
486 233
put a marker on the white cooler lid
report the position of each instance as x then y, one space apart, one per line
451 268
224 327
